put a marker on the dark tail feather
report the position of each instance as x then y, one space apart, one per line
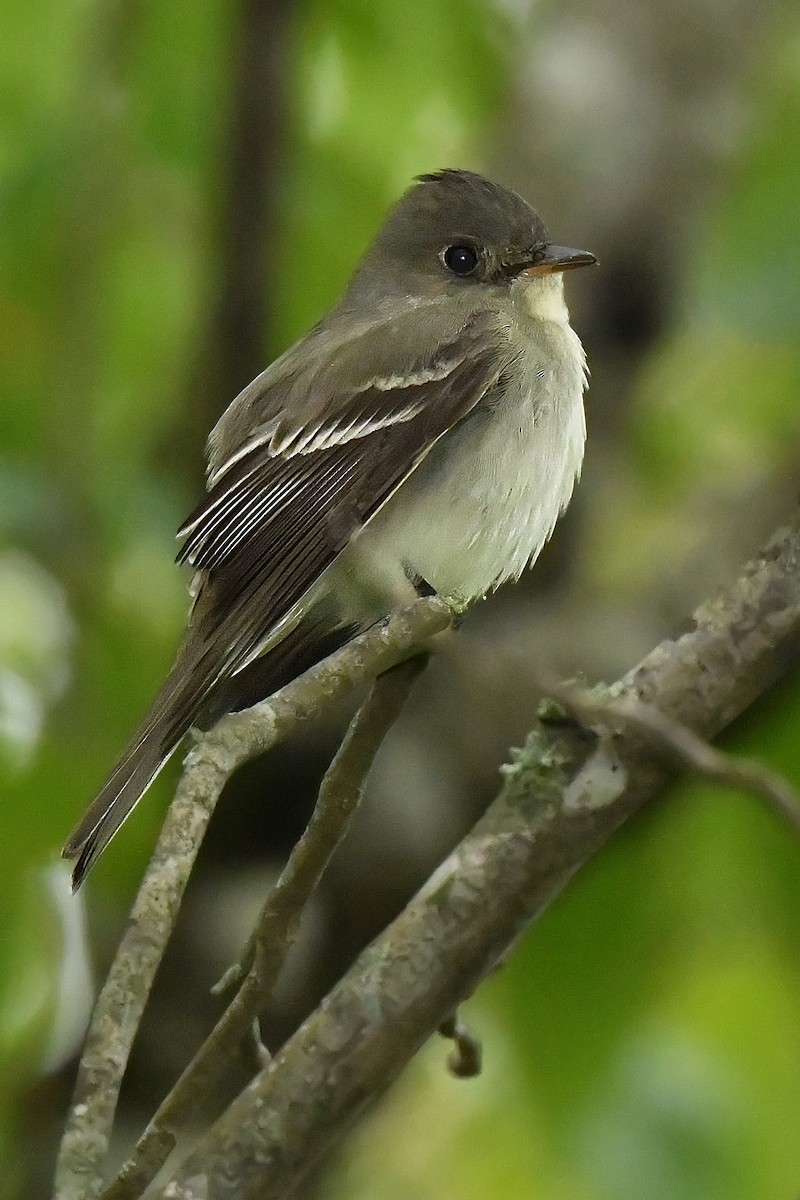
313 639
157 738
192 694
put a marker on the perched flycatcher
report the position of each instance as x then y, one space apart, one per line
423 437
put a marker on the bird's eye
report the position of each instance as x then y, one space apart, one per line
461 260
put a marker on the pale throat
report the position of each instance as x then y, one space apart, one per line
542 298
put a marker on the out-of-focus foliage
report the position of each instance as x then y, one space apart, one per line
107 142
644 1040
383 92
714 414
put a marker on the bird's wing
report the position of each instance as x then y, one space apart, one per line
281 508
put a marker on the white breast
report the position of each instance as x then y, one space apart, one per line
480 507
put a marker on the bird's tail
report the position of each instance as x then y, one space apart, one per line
196 692
155 741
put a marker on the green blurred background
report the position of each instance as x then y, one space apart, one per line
183 190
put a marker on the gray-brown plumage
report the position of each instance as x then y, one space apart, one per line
429 428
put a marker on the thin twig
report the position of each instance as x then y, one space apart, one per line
671 737
340 794
235 739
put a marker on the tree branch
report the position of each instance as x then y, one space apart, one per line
340 794
564 795
217 754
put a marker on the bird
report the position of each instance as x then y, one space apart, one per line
422 438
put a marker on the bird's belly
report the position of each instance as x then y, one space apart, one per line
482 504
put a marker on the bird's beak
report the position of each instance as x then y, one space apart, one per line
558 258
